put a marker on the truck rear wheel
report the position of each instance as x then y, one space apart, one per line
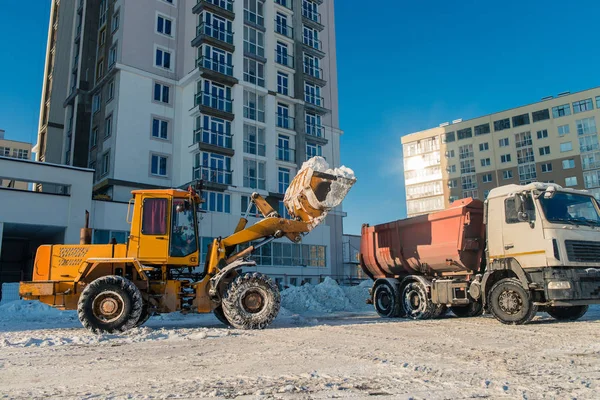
110 304
386 300
510 303
474 309
251 301
416 302
567 313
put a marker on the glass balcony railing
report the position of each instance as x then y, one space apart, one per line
286 154
313 99
312 15
224 4
255 183
213 101
284 59
313 71
258 149
215 65
216 32
315 130
214 175
285 121
314 43
284 29
213 137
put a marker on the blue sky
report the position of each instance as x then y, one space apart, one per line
403 66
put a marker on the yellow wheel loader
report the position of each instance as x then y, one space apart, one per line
117 287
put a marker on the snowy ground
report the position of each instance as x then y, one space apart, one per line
319 347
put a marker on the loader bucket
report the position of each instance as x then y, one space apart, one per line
317 189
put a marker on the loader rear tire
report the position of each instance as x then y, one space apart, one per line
386 300
416 302
110 304
221 315
251 301
144 316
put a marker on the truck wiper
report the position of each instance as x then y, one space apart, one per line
566 220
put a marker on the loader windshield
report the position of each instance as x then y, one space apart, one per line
571 208
183 229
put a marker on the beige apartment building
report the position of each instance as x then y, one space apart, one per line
553 140
14 149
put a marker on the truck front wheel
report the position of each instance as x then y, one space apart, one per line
416 302
251 301
510 303
386 300
567 313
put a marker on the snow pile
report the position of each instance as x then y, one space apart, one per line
10 292
20 310
326 297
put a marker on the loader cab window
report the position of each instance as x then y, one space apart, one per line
183 228
154 218
510 210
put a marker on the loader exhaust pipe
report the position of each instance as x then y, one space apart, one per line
85 234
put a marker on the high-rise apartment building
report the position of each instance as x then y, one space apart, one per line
554 140
236 93
13 149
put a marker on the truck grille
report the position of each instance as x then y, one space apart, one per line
583 251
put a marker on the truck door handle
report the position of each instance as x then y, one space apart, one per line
508 246
160 238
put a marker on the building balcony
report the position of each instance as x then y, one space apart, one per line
285 3
214 141
215 36
313 46
285 121
589 147
255 183
255 148
219 7
469 154
286 154
255 20
315 103
213 176
591 165
214 105
216 70
284 59
314 74
312 19
284 30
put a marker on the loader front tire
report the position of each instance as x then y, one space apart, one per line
251 301
110 304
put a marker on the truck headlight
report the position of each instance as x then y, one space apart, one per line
559 285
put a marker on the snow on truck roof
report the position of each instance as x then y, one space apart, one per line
506 190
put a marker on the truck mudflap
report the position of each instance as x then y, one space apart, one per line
571 286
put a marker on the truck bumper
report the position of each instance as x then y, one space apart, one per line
571 286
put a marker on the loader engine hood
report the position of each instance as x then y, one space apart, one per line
316 190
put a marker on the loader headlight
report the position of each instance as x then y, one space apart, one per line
559 285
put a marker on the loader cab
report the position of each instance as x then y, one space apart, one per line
164 227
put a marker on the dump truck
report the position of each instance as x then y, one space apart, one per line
117 287
527 248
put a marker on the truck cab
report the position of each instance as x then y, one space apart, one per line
543 252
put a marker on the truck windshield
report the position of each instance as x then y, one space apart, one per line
571 208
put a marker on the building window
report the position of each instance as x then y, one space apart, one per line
450 153
159 165
108 126
116 21
544 151
213 130
283 179
102 236
313 150
161 93
254 41
483 146
448 137
525 156
563 130
571 181
468 182
487 178
589 161
282 55
254 72
464 133
508 174
597 101
502 124
453 183
527 173
311 66
215 59
111 90
540 115
582 105
162 59
244 206
310 37
467 167
282 83
547 167
543 134
466 151
591 179
588 143
96 103
283 211
452 168
164 25
253 12
160 128
503 142
567 146
281 25
312 94
212 167
254 140
561 111
284 152
217 27
93 138
568 164
313 125
586 126
523 139
112 56
105 163
520 120
254 106
486 162
283 117
505 158
216 202
482 129
254 174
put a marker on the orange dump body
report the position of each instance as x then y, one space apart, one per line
446 242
